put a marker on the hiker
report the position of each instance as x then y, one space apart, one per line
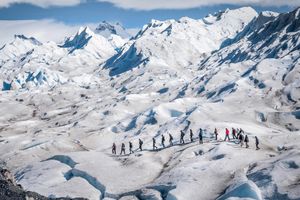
113 149
233 132
130 147
163 141
216 133
200 136
122 149
241 131
256 143
154 143
241 138
238 133
170 139
191 135
246 141
140 144
181 137
226 134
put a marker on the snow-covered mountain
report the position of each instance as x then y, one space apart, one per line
26 62
87 41
267 47
108 29
115 33
180 43
85 48
20 45
236 68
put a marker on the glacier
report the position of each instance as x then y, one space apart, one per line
64 105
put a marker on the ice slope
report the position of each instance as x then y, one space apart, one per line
27 63
86 50
117 41
30 63
19 46
266 59
58 141
272 40
90 42
179 43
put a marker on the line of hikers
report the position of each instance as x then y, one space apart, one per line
236 134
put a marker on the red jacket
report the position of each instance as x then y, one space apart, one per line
227 131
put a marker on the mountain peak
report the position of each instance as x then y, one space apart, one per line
228 16
85 30
94 44
30 39
107 29
269 14
105 26
221 13
80 39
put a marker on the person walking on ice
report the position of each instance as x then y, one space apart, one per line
200 136
227 134
130 148
256 143
239 132
233 132
170 139
113 149
216 133
141 144
154 144
182 137
241 138
246 141
191 135
122 149
163 141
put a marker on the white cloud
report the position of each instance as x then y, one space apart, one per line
42 30
184 4
42 3
156 4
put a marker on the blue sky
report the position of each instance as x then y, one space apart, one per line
93 12
57 19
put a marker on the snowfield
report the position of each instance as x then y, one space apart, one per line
63 106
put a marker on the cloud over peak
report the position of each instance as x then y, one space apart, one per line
155 4
42 30
186 4
42 3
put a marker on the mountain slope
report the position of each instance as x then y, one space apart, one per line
20 45
235 69
263 47
27 63
90 42
180 43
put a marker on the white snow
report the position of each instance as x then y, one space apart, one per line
62 107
